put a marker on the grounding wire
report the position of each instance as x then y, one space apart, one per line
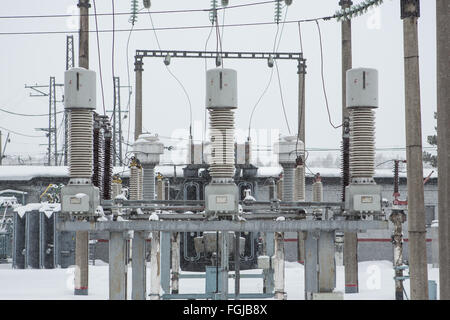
28 115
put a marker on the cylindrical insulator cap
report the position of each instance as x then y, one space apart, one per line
221 88
362 88
79 89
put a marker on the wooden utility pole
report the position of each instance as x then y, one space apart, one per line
443 120
82 237
410 12
350 238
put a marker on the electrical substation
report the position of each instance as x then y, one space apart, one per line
220 214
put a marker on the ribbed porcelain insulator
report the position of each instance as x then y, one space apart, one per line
362 144
80 143
222 143
149 181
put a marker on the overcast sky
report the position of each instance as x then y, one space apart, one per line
377 43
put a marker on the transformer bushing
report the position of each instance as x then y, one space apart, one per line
221 195
289 148
364 196
80 196
148 150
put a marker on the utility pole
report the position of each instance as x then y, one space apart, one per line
410 12
70 63
82 237
443 119
138 104
350 238
300 170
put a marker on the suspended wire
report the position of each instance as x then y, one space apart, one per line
28 115
281 97
127 13
22 134
167 28
323 77
173 76
99 58
113 48
275 49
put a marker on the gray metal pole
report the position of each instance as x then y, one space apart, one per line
117 266
138 105
82 237
443 118
1 150
416 206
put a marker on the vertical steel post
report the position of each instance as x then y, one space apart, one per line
410 10
237 265
138 265
224 265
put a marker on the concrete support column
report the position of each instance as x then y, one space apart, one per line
138 265
443 119
175 254
138 99
278 266
351 262
224 261
416 205
155 271
117 266
82 237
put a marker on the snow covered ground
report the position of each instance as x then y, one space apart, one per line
375 278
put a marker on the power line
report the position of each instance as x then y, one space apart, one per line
167 28
27 115
127 13
22 134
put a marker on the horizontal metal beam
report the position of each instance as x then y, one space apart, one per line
198 296
213 54
224 225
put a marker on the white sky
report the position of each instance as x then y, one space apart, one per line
377 43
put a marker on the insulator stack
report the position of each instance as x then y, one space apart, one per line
345 164
149 181
134 182
300 183
288 183
318 191
362 144
140 184
98 150
107 167
80 143
222 143
396 162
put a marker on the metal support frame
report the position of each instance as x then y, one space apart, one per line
70 63
117 266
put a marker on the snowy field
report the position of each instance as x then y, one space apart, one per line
375 278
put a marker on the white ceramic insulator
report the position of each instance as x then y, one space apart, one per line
141 183
134 183
222 143
149 182
288 183
362 144
116 189
300 183
317 191
80 143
